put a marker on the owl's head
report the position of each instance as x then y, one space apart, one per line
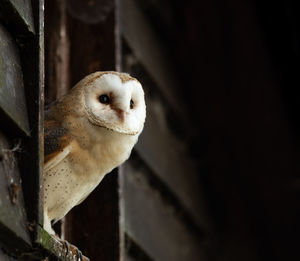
115 101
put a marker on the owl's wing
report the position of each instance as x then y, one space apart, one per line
57 144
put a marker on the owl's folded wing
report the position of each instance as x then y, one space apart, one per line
56 144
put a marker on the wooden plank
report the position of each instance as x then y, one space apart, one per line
94 225
17 14
93 49
13 223
56 248
149 51
12 98
57 74
152 223
57 48
169 159
134 251
31 165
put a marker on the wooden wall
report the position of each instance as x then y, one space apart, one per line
152 207
215 174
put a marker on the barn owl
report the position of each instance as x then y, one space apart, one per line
88 132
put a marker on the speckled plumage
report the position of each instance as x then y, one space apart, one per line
85 139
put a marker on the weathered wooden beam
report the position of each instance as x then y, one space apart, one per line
12 98
14 234
95 222
32 59
17 14
57 48
57 248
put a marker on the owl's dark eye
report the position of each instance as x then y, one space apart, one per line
104 99
131 104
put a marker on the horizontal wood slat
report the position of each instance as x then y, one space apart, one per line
12 98
168 158
148 49
18 14
152 223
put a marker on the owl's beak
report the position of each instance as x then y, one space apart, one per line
121 114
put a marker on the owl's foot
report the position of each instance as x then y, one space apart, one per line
70 251
73 251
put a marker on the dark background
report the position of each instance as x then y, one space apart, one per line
238 62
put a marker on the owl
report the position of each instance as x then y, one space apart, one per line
87 133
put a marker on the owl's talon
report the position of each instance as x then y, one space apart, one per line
78 255
67 247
